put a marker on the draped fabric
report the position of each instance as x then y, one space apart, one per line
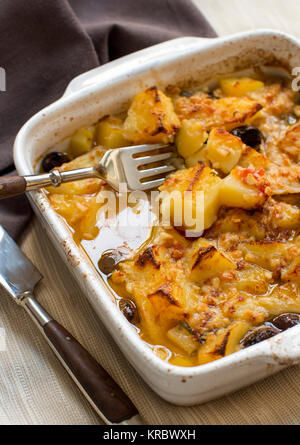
43 45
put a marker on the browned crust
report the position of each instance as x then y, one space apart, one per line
156 94
204 252
164 291
256 107
160 116
147 257
188 107
198 170
160 128
221 349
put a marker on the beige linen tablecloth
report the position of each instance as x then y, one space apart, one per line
35 389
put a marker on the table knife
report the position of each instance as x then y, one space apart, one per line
19 277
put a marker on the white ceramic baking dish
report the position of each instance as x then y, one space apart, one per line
104 90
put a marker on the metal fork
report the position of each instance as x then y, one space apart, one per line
119 165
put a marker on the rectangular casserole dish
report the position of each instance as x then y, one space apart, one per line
108 89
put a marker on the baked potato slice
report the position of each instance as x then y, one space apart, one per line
251 158
223 149
199 156
283 298
237 223
71 207
182 336
224 342
190 138
168 301
202 206
109 133
245 188
281 215
227 112
82 141
239 86
251 279
206 261
275 98
271 255
88 228
151 118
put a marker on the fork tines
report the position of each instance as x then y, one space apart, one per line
151 163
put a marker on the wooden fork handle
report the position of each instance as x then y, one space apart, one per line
12 186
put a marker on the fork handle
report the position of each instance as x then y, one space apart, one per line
12 186
16 185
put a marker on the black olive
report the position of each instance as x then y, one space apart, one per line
285 321
250 135
109 260
258 335
186 93
54 159
128 309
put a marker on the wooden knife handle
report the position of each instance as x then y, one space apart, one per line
12 186
91 378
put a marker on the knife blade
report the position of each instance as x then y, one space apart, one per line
17 273
19 277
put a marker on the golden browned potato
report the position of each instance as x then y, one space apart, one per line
72 208
109 133
270 255
245 188
251 279
283 298
251 158
199 156
281 215
207 262
190 137
182 336
82 141
196 179
292 271
223 149
151 118
88 225
227 112
239 86
80 211
222 343
275 99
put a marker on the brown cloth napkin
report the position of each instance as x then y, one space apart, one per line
43 45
